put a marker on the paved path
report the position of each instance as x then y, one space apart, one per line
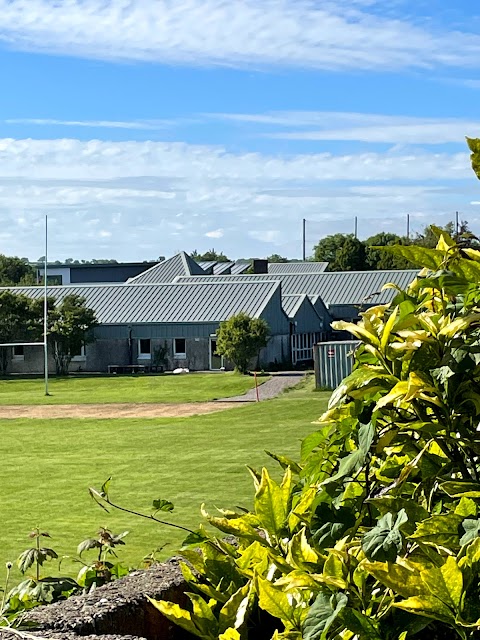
271 388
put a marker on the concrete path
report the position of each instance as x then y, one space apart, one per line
270 389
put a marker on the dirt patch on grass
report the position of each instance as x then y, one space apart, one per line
112 410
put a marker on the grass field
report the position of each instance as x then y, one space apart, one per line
48 466
195 387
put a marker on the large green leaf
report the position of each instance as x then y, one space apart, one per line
272 502
355 460
440 531
322 614
403 579
181 617
330 525
234 611
385 541
428 606
474 146
457 488
275 601
419 256
472 530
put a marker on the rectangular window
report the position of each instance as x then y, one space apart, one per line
54 280
179 348
19 352
81 355
144 349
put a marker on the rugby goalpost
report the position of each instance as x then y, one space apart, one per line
45 318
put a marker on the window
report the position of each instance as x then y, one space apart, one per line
179 348
19 352
54 280
81 355
144 348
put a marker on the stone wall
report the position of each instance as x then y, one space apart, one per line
117 610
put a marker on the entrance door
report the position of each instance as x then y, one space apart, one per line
216 361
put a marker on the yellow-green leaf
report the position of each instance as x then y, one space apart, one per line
427 606
180 617
300 553
275 601
229 634
272 503
388 328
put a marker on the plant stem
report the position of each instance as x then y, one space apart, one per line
148 516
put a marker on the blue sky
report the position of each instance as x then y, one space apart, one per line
143 127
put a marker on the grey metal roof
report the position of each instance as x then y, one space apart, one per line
336 287
297 267
240 266
165 303
215 267
179 265
291 304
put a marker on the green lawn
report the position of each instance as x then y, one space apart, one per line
48 465
194 387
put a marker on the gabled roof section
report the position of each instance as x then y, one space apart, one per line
166 303
216 268
163 272
292 303
297 267
240 266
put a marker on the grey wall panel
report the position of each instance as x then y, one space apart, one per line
333 362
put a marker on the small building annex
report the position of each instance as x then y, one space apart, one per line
137 321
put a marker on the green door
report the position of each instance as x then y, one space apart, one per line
216 361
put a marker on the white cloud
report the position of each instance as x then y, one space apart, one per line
138 192
362 127
333 34
217 233
148 125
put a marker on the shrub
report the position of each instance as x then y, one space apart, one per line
240 339
375 533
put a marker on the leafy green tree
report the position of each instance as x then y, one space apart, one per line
342 251
70 327
209 256
378 260
276 257
240 339
20 321
15 271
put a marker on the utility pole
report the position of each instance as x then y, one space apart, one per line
457 228
45 310
304 239
356 226
408 226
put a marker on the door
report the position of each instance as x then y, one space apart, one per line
216 361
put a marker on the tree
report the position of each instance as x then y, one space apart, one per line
70 325
275 257
377 259
20 321
342 251
209 256
15 270
240 339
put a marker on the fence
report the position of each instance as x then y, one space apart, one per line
333 361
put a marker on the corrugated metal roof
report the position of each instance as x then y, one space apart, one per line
165 303
180 265
297 267
240 266
291 304
336 287
217 268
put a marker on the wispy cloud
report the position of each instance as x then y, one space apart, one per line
133 200
362 127
332 34
148 125
216 233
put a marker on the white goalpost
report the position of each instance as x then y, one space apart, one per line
45 319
